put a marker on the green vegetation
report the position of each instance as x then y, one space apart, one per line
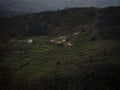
41 59
92 63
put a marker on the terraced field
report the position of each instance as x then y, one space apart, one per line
41 58
44 66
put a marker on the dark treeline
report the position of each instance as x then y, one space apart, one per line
58 22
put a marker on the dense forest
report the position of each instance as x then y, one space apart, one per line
59 22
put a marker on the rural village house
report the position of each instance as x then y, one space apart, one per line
29 41
62 40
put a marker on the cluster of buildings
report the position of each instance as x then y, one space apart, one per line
62 40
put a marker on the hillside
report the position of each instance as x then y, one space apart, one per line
92 62
44 24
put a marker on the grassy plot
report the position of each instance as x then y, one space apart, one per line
58 67
41 58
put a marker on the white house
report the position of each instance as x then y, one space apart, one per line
62 37
68 44
76 33
52 41
29 41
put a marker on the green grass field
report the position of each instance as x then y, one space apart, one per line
58 67
41 58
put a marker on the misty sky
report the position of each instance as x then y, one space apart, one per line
43 5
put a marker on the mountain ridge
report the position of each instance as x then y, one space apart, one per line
29 6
